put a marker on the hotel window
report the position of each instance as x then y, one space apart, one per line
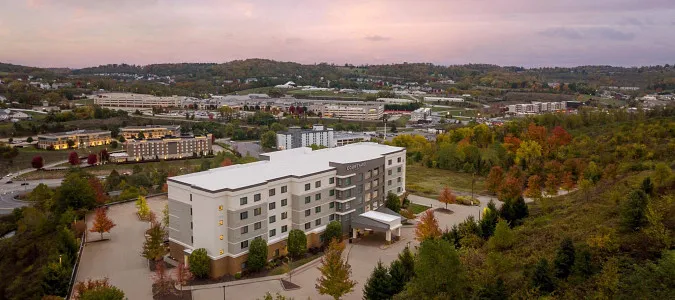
331 218
284 215
389 172
398 169
317 222
284 228
243 216
331 205
360 177
389 162
272 192
399 160
317 184
257 225
317 197
308 225
389 182
273 232
359 188
331 193
272 205
243 230
308 212
399 189
317 209
376 171
244 244
284 202
256 197
308 186
221 237
369 174
257 211
284 189
331 180
398 179
348 181
273 219
308 199
220 222
243 201
220 207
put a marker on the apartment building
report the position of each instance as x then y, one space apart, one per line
137 100
168 148
422 114
536 107
79 138
295 137
150 131
224 209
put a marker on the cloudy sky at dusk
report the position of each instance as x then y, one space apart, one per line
78 33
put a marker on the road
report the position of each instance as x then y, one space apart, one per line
9 191
24 171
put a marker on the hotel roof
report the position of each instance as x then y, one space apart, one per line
298 162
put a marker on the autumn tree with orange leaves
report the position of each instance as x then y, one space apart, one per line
226 162
494 179
568 182
447 197
533 187
101 222
511 143
427 228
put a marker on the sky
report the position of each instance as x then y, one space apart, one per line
529 33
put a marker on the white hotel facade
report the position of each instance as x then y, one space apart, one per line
224 209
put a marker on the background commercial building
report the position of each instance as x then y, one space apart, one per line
422 114
137 100
295 137
536 107
150 131
80 138
224 209
169 148
352 112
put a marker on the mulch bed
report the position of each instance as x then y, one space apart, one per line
173 295
444 211
287 285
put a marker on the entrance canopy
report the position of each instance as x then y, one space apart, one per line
382 219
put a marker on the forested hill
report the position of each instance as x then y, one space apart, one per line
465 75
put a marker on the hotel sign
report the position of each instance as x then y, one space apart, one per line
355 167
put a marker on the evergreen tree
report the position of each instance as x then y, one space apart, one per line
438 272
393 202
379 284
494 290
583 264
647 186
503 238
564 259
542 278
520 209
489 220
633 210
398 275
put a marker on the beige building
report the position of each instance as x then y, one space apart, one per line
150 131
136 100
168 148
80 138
353 112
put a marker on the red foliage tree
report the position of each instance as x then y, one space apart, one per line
511 143
162 281
292 109
101 222
105 156
537 133
511 189
226 162
97 186
559 137
37 162
73 158
84 286
183 274
495 179
92 159
551 184
568 181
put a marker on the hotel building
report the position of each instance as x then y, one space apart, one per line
150 131
81 139
168 148
353 112
224 209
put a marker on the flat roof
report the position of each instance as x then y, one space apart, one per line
75 132
381 217
297 162
149 127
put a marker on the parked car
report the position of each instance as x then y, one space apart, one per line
24 183
8 182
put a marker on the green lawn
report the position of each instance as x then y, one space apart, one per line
23 160
428 182
417 208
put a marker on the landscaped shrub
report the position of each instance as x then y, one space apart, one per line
297 243
199 262
257 254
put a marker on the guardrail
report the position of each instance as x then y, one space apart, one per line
73 274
